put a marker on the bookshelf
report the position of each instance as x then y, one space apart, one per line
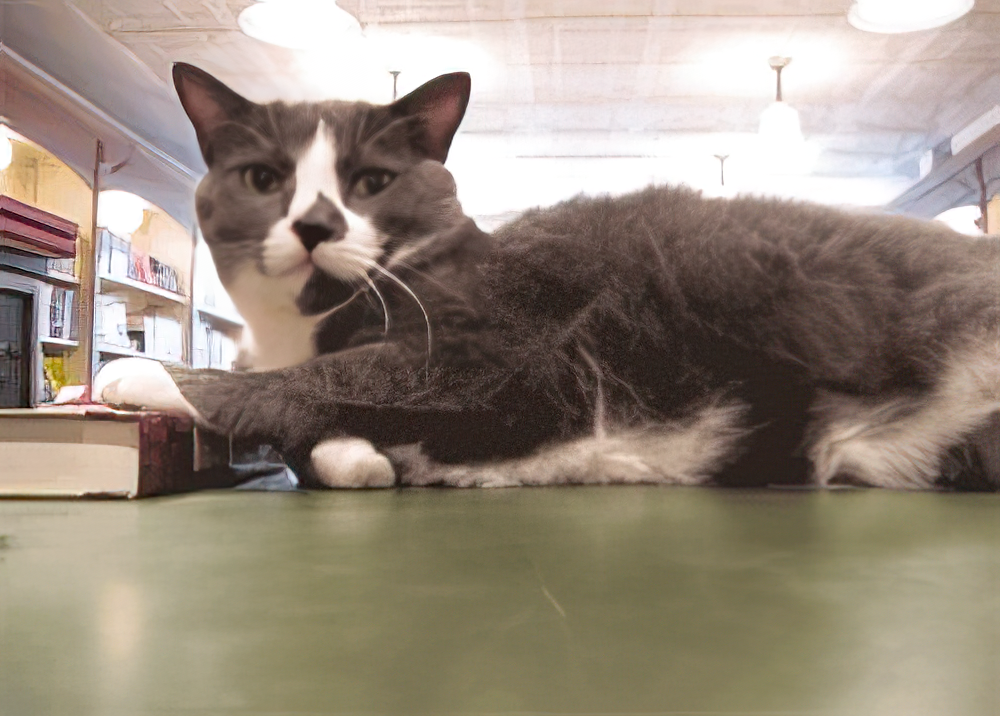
58 344
76 313
152 295
216 324
225 318
142 299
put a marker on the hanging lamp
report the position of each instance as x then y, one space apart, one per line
779 123
299 24
894 16
783 149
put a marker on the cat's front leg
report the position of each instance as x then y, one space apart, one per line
140 383
144 383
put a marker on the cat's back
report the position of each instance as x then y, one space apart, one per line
672 214
677 230
841 291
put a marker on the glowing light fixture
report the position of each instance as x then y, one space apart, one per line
299 24
893 16
120 212
6 148
783 149
779 123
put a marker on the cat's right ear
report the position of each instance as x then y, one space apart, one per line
207 101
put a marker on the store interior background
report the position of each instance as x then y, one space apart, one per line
588 96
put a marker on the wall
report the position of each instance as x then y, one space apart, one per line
993 215
37 178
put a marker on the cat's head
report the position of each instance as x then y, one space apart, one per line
309 196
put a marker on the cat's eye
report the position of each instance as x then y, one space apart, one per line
371 182
261 178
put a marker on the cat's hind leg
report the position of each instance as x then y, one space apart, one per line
942 436
350 462
681 452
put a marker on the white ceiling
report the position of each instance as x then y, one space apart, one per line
567 96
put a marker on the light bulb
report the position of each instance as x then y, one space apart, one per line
120 212
893 16
779 124
782 149
299 24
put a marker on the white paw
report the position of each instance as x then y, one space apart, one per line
139 383
351 462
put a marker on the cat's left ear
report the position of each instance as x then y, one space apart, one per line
440 105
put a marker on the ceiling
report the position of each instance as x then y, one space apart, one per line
567 96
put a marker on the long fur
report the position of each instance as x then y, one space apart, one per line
650 307
656 337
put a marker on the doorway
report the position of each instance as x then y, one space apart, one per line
15 351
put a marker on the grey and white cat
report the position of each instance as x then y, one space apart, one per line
658 337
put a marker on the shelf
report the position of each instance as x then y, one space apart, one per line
120 351
55 278
130 353
226 317
58 343
28 228
128 284
61 279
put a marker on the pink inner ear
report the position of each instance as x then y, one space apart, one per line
440 105
204 110
442 122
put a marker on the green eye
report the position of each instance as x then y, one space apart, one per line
261 178
371 182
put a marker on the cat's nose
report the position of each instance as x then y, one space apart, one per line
311 235
321 222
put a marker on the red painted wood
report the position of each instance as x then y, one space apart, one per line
35 231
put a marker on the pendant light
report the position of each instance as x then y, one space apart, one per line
894 16
783 149
722 167
779 123
299 24
395 84
120 212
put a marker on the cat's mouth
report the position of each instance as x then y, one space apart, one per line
303 269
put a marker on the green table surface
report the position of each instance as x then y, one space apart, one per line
600 600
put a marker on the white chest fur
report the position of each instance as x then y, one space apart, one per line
276 334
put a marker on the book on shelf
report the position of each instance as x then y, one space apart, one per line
119 260
97 451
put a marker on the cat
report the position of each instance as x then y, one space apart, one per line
656 337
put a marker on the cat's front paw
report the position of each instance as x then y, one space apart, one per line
351 462
139 383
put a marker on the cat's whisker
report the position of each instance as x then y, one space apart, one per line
381 299
427 319
429 277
